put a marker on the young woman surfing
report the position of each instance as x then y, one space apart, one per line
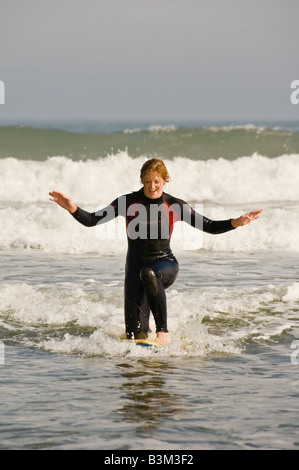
151 267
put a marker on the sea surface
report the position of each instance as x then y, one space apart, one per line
230 377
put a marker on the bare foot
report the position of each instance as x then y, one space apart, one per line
163 338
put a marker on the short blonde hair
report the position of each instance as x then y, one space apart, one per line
155 164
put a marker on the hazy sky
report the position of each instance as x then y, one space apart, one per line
149 59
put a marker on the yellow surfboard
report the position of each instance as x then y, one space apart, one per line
147 343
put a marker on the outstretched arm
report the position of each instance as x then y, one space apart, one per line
246 218
196 220
89 219
222 226
63 201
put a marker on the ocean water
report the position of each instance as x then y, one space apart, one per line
229 378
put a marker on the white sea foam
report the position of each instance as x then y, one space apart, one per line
232 127
244 180
169 128
67 319
292 294
224 188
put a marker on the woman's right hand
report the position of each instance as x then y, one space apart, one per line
63 201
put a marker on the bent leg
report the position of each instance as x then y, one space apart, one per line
155 279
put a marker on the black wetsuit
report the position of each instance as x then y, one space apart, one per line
150 264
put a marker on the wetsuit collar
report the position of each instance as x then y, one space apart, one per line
148 200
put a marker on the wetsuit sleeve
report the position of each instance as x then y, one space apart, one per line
193 218
185 212
217 226
90 219
208 225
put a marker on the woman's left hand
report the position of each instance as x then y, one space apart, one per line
246 218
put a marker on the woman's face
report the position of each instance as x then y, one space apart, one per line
153 184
